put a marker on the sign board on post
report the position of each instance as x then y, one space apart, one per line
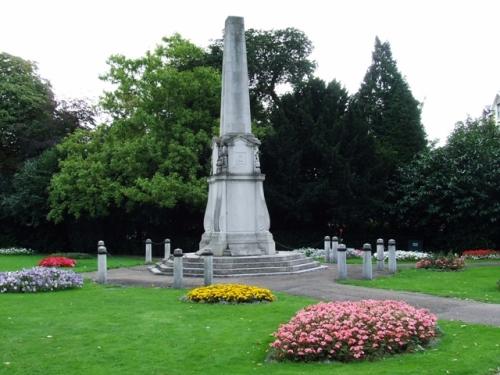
415 245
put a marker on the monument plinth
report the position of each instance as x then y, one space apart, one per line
236 219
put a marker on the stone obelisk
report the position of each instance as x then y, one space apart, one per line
236 218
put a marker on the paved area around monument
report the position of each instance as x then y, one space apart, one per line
322 286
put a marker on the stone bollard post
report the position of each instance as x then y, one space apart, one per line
367 261
178 273
380 254
335 246
166 245
391 248
342 262
208 266
327 249
102 263
149 251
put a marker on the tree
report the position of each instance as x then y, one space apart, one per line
322 160
385 102
451 195
156 150
30 121
27 204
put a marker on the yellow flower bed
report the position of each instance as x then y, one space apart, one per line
232 293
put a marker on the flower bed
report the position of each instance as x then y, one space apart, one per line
320 253
406 255
230 293
16 251
347 331
57 262
443 263
39 279
481 254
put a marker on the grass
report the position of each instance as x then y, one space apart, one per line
477 283
115 330
16 262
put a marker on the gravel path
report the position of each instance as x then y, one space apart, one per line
321 285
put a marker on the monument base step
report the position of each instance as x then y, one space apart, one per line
281 263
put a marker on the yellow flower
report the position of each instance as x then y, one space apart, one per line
235 293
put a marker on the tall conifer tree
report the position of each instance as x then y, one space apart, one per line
386 103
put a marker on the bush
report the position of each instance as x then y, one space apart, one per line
39 279
346 331
443 263
57 262
16 251
230 293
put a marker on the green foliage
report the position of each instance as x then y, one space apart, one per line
453 192
156 150
322 160
27 202
385 102
26 108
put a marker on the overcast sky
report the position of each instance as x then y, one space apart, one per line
449 51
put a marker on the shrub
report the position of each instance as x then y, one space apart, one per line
57 262
346 331
481 254
39 279
230 293
16 251
444 263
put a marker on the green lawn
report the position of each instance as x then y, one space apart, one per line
115 330
16 262
477 283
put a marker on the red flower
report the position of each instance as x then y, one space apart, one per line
480 253
57 262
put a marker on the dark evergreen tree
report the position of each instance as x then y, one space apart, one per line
321 161
385 102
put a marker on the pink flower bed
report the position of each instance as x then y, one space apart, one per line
346 331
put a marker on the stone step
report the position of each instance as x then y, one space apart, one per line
192 258
249 269
222 266
282 263
244 272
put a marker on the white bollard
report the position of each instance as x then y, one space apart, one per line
178 272
335 246
166 245
391 248
380 254
367 261
208 266
149 251
342 262
327 249
102 263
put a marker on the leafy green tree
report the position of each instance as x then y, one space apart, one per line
156 151
385 102
27 204
321 160
30 121
451 195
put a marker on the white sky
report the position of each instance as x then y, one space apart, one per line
449 51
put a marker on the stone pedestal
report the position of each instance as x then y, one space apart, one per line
236 219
